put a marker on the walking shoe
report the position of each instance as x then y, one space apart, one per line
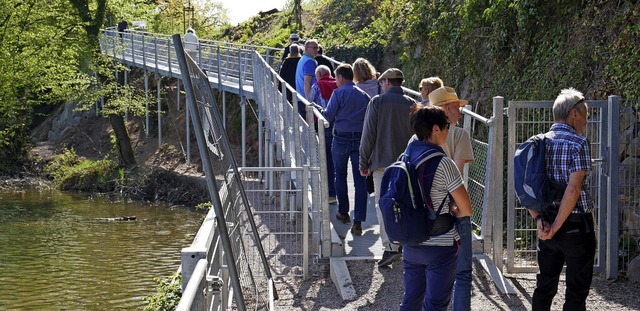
357 228
333 200
343 217
389 257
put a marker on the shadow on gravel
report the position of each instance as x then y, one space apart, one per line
382 289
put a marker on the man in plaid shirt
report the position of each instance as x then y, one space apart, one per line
566 232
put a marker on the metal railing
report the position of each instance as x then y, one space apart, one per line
484 176
225 63
291 141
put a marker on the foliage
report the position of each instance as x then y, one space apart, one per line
167 294
130 11
14 137
38 46
527 49
170 17
69 172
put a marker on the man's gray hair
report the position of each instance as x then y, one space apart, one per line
322 70
567 100
309 42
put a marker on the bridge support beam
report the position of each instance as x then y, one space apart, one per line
243 112
159 108
224 109
187 117
126 82
178 94
146 103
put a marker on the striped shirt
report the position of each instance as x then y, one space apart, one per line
567 153
446 180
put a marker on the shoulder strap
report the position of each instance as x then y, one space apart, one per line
426 165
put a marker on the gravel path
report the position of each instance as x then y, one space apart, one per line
381 289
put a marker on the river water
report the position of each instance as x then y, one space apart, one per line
56 255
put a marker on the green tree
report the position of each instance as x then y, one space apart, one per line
39 57
172 18
92 22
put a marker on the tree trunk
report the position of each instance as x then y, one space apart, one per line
297 8
92 23
123 142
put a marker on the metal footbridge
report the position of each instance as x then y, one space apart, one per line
238 253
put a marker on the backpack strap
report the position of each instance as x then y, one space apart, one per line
426 165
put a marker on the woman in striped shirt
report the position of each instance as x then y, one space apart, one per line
429 269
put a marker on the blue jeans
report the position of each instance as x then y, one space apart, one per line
462 293
429 272
347 146
328 141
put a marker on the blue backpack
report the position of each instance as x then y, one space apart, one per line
405 200
533 188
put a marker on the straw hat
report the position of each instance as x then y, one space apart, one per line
445 95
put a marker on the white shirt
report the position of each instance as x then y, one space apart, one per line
190 42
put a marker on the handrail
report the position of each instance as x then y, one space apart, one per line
193 296
469 112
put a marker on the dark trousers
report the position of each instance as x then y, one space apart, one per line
302 110
428 272
331 178
575 245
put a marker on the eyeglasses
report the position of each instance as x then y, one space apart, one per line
447 126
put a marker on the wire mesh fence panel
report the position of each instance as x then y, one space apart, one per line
476 182
279 220
245 257
629 177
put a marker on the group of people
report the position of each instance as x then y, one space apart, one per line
373 122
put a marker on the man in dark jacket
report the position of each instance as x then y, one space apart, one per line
384 138
322 60
293 39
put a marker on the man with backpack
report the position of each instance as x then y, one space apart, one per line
384 138
566 229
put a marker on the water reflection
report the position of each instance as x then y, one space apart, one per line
55 254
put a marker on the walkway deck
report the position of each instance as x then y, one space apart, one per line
366 246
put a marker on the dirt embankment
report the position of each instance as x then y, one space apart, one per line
161 162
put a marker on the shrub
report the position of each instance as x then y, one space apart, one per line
167 294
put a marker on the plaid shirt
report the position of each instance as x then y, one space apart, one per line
566 153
